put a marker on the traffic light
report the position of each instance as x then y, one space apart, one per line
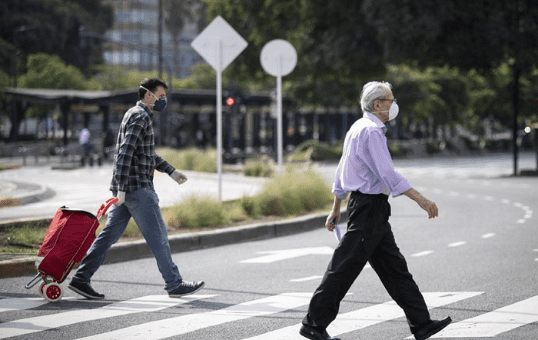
230 101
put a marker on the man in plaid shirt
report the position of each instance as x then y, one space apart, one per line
135 160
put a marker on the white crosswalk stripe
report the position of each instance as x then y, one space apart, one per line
486 325
192 322
7 305
151 303
362 318
494 323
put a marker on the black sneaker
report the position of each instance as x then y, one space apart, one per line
186 288
85 290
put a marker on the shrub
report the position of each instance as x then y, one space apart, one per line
317 151
250 206
191 159
261 167
293 192
198 212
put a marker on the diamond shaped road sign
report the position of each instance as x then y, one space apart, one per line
217 37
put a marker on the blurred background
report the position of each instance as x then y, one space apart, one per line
464 73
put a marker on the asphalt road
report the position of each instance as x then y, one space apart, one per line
477 262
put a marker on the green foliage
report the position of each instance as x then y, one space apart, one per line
111 78
191 159
261 167
51 72
313 150
397 150
250 206
28 236
203 77
293 192
200 212
52 27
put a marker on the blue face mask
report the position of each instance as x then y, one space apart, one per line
159 104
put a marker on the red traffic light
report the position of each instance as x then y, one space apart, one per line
230 101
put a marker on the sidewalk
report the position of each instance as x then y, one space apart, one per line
37 191
40 190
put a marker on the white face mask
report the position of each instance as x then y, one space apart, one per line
393 111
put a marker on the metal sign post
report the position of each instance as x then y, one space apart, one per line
278 58
219 44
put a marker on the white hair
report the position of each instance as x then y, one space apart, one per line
372 91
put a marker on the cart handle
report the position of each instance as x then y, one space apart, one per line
105 206
33 282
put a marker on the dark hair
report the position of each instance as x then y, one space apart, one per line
151 85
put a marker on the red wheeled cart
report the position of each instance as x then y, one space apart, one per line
70 235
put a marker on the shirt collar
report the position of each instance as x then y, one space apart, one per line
145 107
376 120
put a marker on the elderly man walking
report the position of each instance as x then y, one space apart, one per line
367 172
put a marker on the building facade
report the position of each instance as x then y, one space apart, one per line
133 40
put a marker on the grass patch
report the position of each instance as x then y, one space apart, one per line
26 237
9 202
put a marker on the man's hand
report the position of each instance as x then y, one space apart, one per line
429 206
332 220
178 177
334 216
121 198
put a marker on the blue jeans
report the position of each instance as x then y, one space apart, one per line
143 206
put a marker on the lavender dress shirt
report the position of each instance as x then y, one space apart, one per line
366 164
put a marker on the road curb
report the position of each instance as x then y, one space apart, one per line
128 251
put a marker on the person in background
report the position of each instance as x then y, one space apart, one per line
132 183
366 170
84 140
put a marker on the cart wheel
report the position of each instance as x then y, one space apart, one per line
53 292
43 285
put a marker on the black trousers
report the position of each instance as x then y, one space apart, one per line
369 238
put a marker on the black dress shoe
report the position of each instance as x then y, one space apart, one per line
431 328
312 334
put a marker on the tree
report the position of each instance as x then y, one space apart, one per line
51 26
336 47
49 72
480 34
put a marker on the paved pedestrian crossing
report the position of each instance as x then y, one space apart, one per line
489 324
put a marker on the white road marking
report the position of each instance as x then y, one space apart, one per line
7 305
286 254
310 278
457 244
189 323
494 323
362 318
488 235
151 303
423 253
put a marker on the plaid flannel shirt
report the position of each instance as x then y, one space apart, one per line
135 158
